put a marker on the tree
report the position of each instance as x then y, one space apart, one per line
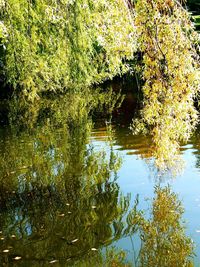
170 71
63 45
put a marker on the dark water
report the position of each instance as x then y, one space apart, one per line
66 192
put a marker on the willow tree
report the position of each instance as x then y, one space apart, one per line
170 72
57 45
62 45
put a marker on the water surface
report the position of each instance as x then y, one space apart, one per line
66 192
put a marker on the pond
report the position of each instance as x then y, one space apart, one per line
69 195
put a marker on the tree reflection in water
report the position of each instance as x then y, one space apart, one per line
163 239
58 198
60 204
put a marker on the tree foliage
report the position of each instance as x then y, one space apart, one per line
65 45
170 71
56 45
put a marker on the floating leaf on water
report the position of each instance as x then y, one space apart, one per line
61 215
54 261
93 249
17 258
24 167
6 250
75 240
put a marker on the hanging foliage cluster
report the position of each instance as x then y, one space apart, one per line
170 71
54 45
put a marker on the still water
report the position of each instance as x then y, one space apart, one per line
67 198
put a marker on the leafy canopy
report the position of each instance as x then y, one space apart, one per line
56 45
